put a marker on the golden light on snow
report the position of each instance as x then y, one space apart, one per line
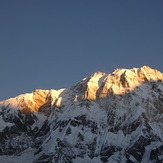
98 85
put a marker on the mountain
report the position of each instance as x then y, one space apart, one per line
104 118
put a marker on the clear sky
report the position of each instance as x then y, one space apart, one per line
53 44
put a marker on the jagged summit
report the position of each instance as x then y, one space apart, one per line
119 81
32 101
104 118
97 85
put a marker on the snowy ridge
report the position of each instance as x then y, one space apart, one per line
115 117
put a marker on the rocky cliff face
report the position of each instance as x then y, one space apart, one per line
115 117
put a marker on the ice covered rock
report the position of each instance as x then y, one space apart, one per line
115 117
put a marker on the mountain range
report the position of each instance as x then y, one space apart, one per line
104 118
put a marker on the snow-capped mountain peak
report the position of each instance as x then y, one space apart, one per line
116 117
119 81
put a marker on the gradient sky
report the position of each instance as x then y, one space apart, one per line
53 44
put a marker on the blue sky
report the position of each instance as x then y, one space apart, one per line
54 44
